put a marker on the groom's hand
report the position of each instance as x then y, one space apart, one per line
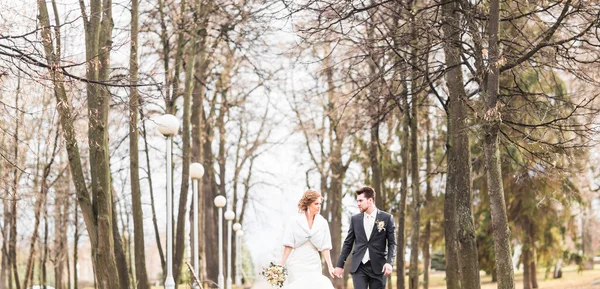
339 272
387 270
331 272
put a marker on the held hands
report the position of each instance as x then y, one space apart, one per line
339 272
331 272
387 270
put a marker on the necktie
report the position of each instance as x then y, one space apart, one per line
368 230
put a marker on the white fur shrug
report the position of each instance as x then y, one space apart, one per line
297 232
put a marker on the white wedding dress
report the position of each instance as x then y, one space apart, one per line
304 263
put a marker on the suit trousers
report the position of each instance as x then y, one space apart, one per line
365 278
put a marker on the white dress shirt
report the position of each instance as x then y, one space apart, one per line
368 223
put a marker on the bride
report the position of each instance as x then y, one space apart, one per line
305 236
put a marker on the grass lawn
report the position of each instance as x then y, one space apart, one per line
570 279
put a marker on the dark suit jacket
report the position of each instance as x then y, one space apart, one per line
381 244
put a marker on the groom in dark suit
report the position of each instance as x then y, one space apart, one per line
372 234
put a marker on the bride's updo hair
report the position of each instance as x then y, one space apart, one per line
308 198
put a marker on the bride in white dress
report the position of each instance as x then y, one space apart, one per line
305 236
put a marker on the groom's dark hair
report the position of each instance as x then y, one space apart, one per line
368 191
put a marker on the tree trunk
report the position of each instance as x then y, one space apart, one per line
4 232
428 205
459 164
64 241
374 158
12 245
120 256
454 80
98 215
154 221
209 186
187 97
525 259
137 212
335 223
400 269
338 168
68 262
129 246
375 115
76 248
466 228
533 261
45 254
209 191
66 121
506 279
533 270
39 202
588 237
500 221
413 272
31 277
197 136
108 269
60 238
5 270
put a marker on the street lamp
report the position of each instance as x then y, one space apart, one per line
236 228
168 125
220 202
238 258
196 173
229 216
240 234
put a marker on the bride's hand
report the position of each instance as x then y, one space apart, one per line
331 272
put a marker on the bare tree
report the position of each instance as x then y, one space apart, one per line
187 98
401 234
326 137
12 245
141 275
40 203
506 278
429 199
456 103
416 96
97 215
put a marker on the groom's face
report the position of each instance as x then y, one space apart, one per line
363 203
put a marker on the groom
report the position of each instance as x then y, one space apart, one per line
372 234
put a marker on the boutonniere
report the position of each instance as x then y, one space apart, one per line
380 226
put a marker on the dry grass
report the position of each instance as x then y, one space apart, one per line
570 280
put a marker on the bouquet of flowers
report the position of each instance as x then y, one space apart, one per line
275 274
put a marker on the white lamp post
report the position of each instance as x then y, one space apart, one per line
229 216
168 125
238 253
241 268
220 202
236 228
196 173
